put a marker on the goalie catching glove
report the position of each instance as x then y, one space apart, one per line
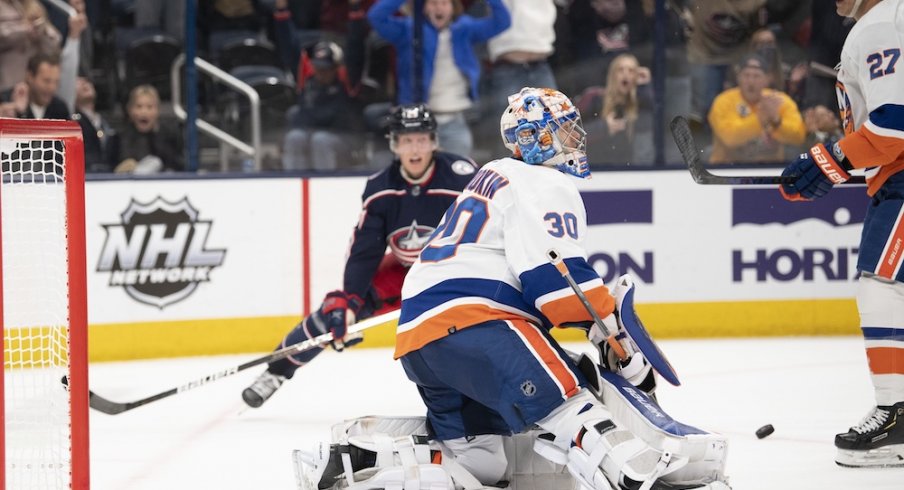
338 311
817 171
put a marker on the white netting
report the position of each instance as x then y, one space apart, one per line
35 314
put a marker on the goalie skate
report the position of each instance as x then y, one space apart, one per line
878 441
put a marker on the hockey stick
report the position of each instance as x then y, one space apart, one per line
681 132
110 407
556 260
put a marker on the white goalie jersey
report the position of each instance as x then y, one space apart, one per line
488 257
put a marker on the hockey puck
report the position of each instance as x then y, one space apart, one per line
764 431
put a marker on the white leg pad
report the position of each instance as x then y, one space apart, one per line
599 454
492 458
530 470
483 456
629 436
703 453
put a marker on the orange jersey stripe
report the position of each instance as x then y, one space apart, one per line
570 309
890 261
445 322
885 360
865 148
548 356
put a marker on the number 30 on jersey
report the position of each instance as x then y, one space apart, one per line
464 222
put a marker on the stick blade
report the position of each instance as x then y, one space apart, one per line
103 405
681 133
100 403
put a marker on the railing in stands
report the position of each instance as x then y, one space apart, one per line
226 140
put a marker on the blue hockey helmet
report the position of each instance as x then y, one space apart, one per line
542 127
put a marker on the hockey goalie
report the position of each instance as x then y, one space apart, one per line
507 406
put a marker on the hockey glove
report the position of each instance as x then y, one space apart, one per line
338 311
817 171
635 369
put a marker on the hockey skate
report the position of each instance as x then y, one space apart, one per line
878 441
262 389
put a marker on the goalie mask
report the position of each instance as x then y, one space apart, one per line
542 127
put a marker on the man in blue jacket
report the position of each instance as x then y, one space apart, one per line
450 71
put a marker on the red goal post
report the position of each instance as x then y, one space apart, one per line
43 306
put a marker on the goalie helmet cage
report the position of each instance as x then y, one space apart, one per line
43 306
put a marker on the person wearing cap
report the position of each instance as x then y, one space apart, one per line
752 123
322 126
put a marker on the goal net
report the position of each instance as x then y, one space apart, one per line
44 429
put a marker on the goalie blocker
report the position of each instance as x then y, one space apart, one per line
370 453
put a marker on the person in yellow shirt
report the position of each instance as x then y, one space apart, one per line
752 123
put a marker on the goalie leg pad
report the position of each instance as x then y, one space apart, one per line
597 452
629 440
483 456
324 468
528 469
371 462
634 410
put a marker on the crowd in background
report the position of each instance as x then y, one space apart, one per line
754 77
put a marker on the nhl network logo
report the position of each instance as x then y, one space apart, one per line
158 253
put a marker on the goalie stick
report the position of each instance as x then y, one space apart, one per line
110 407
681 132
629 320
556 260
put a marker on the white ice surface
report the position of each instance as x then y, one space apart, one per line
808 388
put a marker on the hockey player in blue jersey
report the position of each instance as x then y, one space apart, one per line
401 206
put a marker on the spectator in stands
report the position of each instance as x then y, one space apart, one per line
294 53
24 31
61 21
148 145
752 123
42 79
323 122
229 20
450 73
783 77
14 101
829 31
168 16
764 43
100 138
601 31
822 125
519 56
316 20
618 113
71 54
719 34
